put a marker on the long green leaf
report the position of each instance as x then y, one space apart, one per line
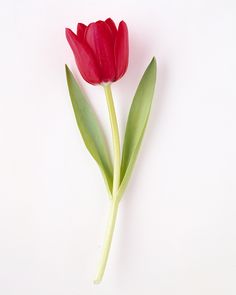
136 124
90 129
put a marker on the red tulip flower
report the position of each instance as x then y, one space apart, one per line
101 50
101 53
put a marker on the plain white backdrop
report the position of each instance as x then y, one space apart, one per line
175 231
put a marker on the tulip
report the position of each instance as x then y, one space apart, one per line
101 53
101 50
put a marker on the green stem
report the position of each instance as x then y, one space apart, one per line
116 183
107 242
115 138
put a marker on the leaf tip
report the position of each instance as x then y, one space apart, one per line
67 68
154 61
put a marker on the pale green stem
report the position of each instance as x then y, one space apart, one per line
107 242
116 183
115 139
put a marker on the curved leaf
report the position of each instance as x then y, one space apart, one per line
90 129
136 124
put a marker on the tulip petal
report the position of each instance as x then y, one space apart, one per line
99 38
121 50
84 58
80 30
112 27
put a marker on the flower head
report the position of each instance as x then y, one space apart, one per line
101 50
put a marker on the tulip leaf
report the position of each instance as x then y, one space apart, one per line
136 123
90 129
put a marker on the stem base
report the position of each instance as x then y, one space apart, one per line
107 242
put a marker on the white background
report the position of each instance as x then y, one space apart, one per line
176 231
